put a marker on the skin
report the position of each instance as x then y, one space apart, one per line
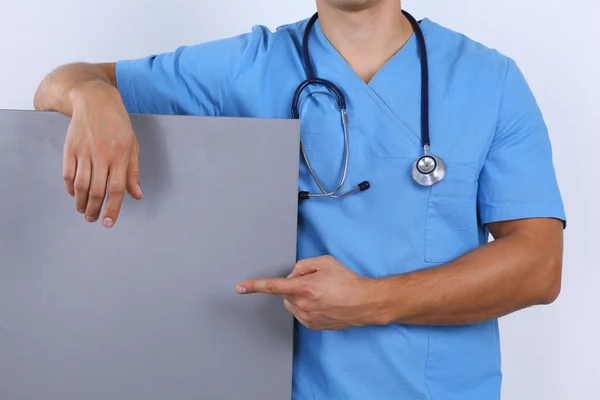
100 155
367 33
521 268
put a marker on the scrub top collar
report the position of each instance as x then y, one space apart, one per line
394 89
403 61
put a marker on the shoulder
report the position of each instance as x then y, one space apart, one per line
478 90
477 76
254 49
240 50
262 40
459 56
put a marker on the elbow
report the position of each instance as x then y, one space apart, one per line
549 286
39 103
550 295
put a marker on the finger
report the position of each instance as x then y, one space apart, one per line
304 267
97 191
81 184
116 193
133 175
313 322
277 286
295 311
69 170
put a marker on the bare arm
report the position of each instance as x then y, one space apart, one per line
101 151
55 92
521 268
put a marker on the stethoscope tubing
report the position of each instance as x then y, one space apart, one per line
421 172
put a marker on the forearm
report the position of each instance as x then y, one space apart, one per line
56 90
509 274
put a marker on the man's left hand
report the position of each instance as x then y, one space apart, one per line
322 294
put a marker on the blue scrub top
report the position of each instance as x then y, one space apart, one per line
485 124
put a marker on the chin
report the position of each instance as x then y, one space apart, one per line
353 5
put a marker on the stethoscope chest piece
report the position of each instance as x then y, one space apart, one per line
428 169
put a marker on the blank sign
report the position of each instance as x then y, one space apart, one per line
148 309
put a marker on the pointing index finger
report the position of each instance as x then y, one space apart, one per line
276 286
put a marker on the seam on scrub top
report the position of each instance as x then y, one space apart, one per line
415 138
392 115
508 61
242 68
427 362
426 225
229 90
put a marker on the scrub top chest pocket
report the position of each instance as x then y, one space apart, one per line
451 224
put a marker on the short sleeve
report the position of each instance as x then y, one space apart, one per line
190 80
518 178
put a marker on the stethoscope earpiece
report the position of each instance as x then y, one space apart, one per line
361 187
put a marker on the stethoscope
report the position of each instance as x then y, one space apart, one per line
427 170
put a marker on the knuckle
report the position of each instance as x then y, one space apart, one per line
70 146
287 305
304 306
304 290
114 148
96 193
116 188
301 263
98 148
308 291
80 185
309 322
270 288
119 149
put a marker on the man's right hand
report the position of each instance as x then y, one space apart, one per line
100 153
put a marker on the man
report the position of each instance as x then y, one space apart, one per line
396 292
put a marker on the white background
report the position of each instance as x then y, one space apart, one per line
549 353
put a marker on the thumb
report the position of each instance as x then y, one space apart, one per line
303 267
133 175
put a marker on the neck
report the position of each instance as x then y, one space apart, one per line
368 36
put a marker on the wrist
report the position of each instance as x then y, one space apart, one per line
381 298
95 90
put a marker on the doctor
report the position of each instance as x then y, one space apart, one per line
397 291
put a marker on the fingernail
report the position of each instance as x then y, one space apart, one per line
89 218
241 289
81 211
108 222
291 273
140 190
